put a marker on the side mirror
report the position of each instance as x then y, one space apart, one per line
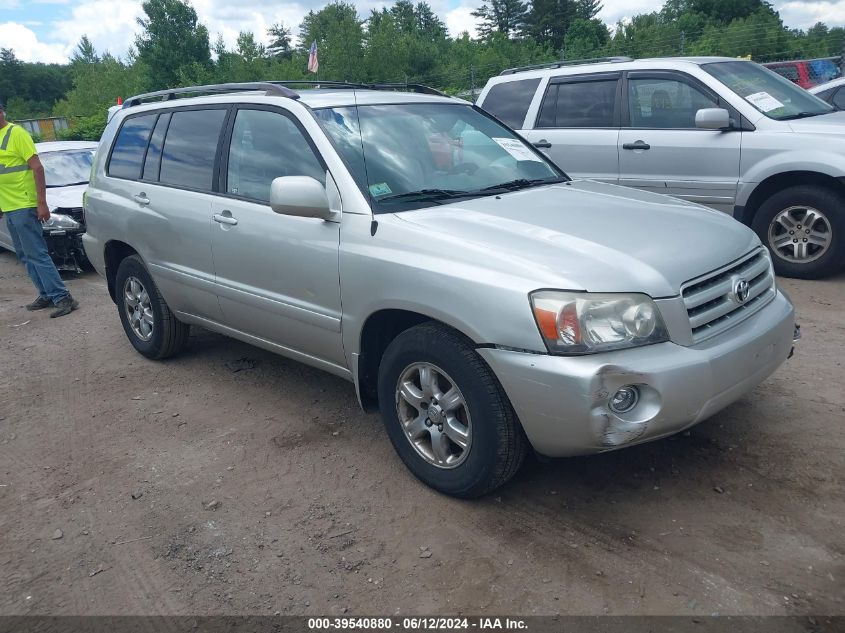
301 196
713 119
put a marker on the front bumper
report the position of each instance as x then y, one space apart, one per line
562 402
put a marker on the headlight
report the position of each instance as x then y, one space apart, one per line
585 323
59 221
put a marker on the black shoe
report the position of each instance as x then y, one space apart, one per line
39 304
65 306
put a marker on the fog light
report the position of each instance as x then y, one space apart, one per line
625 399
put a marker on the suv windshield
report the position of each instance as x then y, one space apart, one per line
70 167
771 94
408 156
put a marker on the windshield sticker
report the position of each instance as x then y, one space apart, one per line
380 189
516 149
764 102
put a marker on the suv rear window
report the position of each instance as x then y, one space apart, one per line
187 159
128 151
509 101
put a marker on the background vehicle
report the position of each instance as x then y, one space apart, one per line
67 167
721 132
410 243
833 92
806 73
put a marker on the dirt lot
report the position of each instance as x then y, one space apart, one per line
109 464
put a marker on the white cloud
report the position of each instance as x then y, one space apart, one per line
803 15
27 48
109 24
460 19
615 10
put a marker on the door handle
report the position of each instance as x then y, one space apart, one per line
542 144
637 145
141 199
222 218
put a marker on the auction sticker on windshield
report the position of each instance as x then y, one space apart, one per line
764 101
380 189
517 149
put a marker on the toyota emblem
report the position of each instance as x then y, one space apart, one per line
739 290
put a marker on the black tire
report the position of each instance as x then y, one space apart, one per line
831 204
498 444
169 335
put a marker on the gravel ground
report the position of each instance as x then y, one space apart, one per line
184 487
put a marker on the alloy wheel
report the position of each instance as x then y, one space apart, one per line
800 234
139 310
434 415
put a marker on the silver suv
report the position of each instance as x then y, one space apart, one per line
722 132
410 243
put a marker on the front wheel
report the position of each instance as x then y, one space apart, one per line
147 320
446 413
804 229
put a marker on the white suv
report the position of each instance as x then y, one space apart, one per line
721 132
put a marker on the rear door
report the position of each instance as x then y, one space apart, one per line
578 123
661 149
277 275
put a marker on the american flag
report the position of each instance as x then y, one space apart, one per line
313 64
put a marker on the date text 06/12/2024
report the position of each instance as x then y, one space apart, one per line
416 623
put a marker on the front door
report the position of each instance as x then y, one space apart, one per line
661 149
277 275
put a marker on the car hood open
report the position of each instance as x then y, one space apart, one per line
585 235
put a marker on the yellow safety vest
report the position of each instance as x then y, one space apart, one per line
17 184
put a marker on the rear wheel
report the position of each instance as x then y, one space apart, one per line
804 228
446 413
147 320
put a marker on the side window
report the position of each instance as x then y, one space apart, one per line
665 103
266 145
127 155
187 158
839 99
509 101
153 160
579 104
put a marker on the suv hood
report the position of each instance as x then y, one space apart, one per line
830 123
586 235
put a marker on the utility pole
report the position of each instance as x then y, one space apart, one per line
472 82
683 42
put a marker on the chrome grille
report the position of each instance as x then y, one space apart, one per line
710 302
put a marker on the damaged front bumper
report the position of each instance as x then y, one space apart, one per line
564 403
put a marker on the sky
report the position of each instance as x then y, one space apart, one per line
48 30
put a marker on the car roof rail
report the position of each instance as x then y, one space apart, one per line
568 62
266 87
419 88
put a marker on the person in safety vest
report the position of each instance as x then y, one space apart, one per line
23 202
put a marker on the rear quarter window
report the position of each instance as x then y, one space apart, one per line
509 101
128 151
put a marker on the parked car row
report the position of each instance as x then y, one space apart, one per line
482 299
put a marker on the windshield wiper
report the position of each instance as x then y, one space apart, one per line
68 184
802 115
522 183
425 194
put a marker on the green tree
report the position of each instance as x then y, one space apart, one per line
504 16
340 40
85 52
172 39
280 43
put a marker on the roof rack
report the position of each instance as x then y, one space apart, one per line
568 62
267 87
418 88
276 88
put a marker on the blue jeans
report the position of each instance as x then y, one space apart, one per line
28 238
